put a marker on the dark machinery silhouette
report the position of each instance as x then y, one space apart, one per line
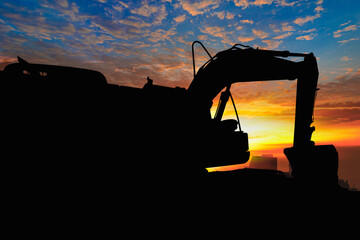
157 131
308 162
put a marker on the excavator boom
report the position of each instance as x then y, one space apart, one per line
248 65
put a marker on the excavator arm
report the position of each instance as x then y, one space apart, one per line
248 65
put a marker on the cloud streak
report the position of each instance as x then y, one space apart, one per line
259 3
199 7
346 29
308 37
302 20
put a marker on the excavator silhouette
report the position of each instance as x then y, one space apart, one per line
95 130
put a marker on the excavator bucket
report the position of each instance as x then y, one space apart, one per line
314 166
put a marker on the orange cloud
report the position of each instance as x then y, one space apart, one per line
230 15
307 37
272 44
286 28
180 18
247 21
245 39
347 40
158 12
282 36
5 60
301 21
345 88
220 15
346 29
245 3
145 9
215 31
262 2
242 3
260 34
198 7
160 35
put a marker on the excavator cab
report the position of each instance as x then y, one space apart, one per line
232 144
233 140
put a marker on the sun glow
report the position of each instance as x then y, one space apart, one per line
270 122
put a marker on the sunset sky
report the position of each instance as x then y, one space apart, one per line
130 40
